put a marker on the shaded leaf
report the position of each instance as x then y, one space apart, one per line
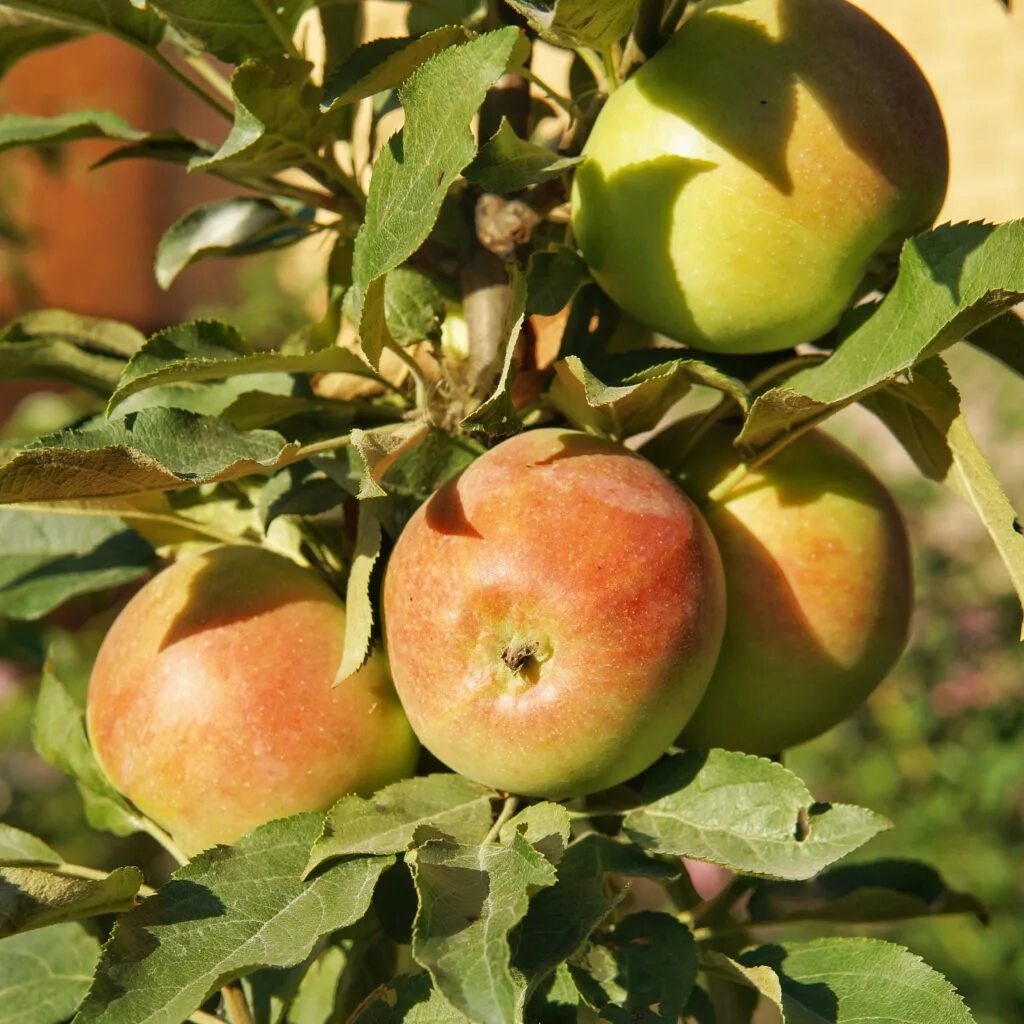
952 281
1003 339
119 18
45 974
441 806
553 277
22 34
229 227
745 813
383 64
377 451
151 450
761 980
17 847
30 130
34 897
45 559
573 23
507 163
93 334
470 899
359 616
224 913
545 826
411 999
841 981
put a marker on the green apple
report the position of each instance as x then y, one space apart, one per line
552 615
211 704
737 188
818 587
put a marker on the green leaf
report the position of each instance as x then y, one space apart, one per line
151 450
649 960
17 847
442 806
165 146
470 899
884 890
34 897
413 306
277 120
762 981
226 912
842 981
229 227
377 450
120 18
574 23
58 734
562 917
545 826
22 34
204 350
45 974
553 277
644 386
359 616
497 414
384 64
1003 339
745 813
411 999
951 281
507 163
233 30
414 171
93 334
29 130
924 414
45 559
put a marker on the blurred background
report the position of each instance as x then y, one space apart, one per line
939 748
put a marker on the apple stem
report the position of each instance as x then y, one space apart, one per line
717 910
508 809
236 1005
165 841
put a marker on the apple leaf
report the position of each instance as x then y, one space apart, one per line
230 227
22 34
562 917
574 23
745 813
45 559
45 974
17 847
233 29
150 450
951 282
415 170
91 334
497 415
883 890
226 912
277 124
507 163
30 130
34 897
58 734
1003 339
358 599
205 350
553 277
413 306
545 826
121 18
763 981
384 64
844 980
377 450
461 932
925 416
410 998
441 806
649 960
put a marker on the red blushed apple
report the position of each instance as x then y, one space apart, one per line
553 615
818 584
211 707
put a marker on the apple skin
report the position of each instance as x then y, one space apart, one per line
210 703
736 189
552 615
819 588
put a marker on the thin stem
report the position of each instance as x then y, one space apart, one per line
236 1005
335 174
611 57
331 444
718 908
553 94
597 68
164 840
420 381
645 39
782 370
202 1017
673 13
80 871
277 26
705 423
193 87
507 810
210 74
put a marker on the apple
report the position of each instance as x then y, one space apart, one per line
552 615
736 189
210 703
818 587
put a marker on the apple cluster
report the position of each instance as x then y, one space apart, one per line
566 609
